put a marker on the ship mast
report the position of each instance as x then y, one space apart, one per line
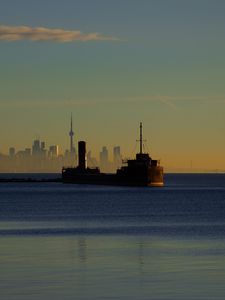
71 134
141 143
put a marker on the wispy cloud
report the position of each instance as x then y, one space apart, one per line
17 33
171 101
167 101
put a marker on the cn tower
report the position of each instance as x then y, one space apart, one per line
71 134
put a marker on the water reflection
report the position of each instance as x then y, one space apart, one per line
141 254
82 249
115 267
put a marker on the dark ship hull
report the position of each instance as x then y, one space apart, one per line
153 177
141 171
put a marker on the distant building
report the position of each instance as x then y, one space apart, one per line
91 161
36 148
24 154
12 152
27 152
117 160
20 154
53 151
104 159
42 146
43 150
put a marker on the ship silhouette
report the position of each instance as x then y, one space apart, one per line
141 171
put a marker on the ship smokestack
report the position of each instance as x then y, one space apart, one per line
82 154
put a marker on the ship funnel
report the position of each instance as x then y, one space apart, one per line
82 155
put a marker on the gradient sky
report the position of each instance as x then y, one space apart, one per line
161 62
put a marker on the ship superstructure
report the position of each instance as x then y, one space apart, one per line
143 170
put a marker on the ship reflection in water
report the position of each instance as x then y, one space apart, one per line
111 267
141 171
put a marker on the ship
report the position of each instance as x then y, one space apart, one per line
141 171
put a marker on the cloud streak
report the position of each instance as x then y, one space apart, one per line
17 33
165 100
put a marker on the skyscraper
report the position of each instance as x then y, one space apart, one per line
53 151
36 149
117 160
12 152
104 159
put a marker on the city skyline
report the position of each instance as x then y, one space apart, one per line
39 143
115 64
42 156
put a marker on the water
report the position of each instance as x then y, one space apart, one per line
67 242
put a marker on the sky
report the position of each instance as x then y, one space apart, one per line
113 64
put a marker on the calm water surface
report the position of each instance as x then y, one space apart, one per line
62 241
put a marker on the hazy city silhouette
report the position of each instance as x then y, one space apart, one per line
40 158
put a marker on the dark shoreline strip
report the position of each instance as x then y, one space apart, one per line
29 180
